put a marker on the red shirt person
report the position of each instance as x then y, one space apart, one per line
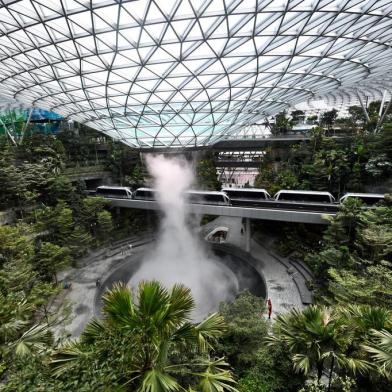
269 306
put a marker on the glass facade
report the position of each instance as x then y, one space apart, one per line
156 73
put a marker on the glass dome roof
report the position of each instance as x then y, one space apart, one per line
187 72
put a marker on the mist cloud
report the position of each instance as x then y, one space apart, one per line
179 256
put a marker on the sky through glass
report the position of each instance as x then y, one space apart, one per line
186 72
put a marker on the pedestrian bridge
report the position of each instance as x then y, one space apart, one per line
263 213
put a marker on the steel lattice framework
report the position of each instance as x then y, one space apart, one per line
185 72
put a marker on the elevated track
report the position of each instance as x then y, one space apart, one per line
268 210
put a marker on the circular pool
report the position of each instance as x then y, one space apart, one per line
230 271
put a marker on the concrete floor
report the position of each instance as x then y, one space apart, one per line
81 294
280 286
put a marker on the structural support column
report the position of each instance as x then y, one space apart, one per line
247 234
363 107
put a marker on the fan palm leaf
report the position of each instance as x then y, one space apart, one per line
68 357
216 377
181 303
381 351
155 380
94 329
152 327
118 306
209 330
35 339
365 317
316 336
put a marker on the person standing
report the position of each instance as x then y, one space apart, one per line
269 306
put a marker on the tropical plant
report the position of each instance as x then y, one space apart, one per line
380 349
317 338
161 349
17 336
206 174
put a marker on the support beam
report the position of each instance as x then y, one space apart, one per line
382 103
277 214
247 235
381 120
363 107
26 125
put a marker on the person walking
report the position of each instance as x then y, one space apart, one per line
269 307
98 283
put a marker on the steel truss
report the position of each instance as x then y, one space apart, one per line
156 73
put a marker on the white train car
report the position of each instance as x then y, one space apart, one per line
304 196
366 198
114 192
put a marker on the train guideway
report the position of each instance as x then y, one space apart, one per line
261 213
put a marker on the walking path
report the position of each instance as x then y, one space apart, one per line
281 288
81 294
281 284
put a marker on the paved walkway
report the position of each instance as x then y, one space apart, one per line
280 285
83 289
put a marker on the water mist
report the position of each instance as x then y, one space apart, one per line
179 256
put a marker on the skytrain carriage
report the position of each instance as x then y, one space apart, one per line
145 194
115 192
205 197
366 198
304 196
253 194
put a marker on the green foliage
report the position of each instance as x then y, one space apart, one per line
354 262
95 219
137 338
136 179
22 294
246 325
206 175
328 118
339 384
334 165
380 350
258 367
49 259
297 115
282 124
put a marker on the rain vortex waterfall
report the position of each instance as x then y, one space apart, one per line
179 256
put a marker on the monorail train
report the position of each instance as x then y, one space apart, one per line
116 192
194 197
253 194
248 196
206 197
366 198
304 196
145 194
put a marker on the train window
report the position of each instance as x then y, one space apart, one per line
371 200
213 198
207 198
366 199
145 194
304 197
114 192
245 194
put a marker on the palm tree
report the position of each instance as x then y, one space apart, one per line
154 327
380 349
362 319
316 337
17 336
